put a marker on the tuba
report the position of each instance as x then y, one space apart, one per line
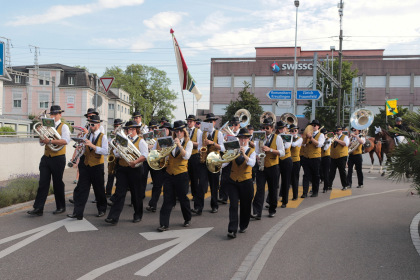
244 117
289 119
225 129
361 119
129 153
266 115
214 161
47 132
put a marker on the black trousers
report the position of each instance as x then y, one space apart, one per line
128 178
270 176
175 186
109 184
203 185
339 163
325 171
157 178
145 175
304 161
355 160
312 168
295 178
243 192
193 165
286 167
90 175
223 192
51 167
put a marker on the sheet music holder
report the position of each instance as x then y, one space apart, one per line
121 140
259 136
232 145
158 133
147 136
165 142
48 122
206 126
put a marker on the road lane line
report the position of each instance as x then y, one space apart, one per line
414 231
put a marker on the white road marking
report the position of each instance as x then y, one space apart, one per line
414 231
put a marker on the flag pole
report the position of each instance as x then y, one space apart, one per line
183 100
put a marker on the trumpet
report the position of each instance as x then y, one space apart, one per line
214 161
129 153
155 157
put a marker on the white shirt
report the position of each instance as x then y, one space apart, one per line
199 136
103 150
298 142
346 139
65 132
188 149
321 139
286 144
279 143
327 144
145 128
143 148
251 161
219 139
361 138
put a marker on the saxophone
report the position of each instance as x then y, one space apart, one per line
261 155
203 150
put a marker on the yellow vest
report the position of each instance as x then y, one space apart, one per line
194 139
287 152
311 150
240 173
177 165
271 158
50 153
339 151
91 157
326 153
358 150
212 148
296 151
122 162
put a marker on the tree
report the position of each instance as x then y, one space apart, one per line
327 115
247 101
380 119
148 88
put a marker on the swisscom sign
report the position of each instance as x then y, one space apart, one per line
289 66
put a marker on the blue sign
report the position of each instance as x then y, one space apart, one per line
1 58
280 94
308 95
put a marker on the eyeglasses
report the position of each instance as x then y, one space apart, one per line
314 125
353 130
265 128
92 124
176 131
293 130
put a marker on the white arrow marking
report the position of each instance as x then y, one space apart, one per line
184 238
70 224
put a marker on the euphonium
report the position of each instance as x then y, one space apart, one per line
203 150
214 161
154 158
129 153
225 129
48 133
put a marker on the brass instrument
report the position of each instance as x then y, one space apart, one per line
266 115
244 117
261 156
225 129
203 150
154 158
214 161
129 153
309 130
48 133
361 120
289 119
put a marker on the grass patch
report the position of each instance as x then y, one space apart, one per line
19 188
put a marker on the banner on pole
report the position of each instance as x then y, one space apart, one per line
391 107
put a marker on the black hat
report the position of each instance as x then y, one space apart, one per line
166 125
338 127
250 127
234 121
179 125
354 128
131 124
55 109
243 132
198 121
398 119
280 124
91 111
136 114
118 121
324 131
94 119
190 118
163 119
316 122
267 121
210 117
153 123
292 126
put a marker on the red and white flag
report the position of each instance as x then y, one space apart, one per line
186 80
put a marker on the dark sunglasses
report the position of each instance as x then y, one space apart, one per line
265 128
92 124
314 125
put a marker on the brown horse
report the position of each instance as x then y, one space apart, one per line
388 142
373 147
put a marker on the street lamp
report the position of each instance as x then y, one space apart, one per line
295 64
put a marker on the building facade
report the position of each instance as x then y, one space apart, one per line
119 106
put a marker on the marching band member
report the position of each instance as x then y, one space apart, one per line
176 178
252 145
158 175
163 120
295 152
240 187
339 153
129 177
304 163
198 123
273 148
52 165
93 172
111 165
325 161
313 160
194 161
285 165
355 159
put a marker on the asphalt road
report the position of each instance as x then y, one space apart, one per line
356 234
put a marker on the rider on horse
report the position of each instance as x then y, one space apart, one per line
399 126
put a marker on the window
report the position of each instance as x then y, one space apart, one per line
70 102
18 79
41 82
17 100
43 101
44 77
118 107
70 80
111 106
125 110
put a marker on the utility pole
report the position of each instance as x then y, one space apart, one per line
36 52
8 58
340 61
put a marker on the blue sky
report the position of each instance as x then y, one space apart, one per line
106 33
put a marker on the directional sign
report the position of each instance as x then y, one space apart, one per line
280 94
107 82
181 239
70 224
308 95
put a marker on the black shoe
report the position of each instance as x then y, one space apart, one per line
344 188
74 216
111 221
110 203
187 223
304 195
223 201
255 217
267 206
214 210
283 206
294 199
271 215
100 214
71 200
196 211
59 211
36 212
94 201
130 205
360 186
324 191
162 228
314 195
151 209
329 188
136 219
242 230
231 235
349 187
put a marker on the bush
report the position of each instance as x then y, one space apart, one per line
20 188
5 130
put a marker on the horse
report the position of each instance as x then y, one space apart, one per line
388 142
373 147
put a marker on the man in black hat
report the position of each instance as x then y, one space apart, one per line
194 161
91 112
111 165
96 148
339 154
235 125
295 152
273 148
315 141
52 165
198 123
251 129
163 120
137 118
324 170
285 163
355 158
